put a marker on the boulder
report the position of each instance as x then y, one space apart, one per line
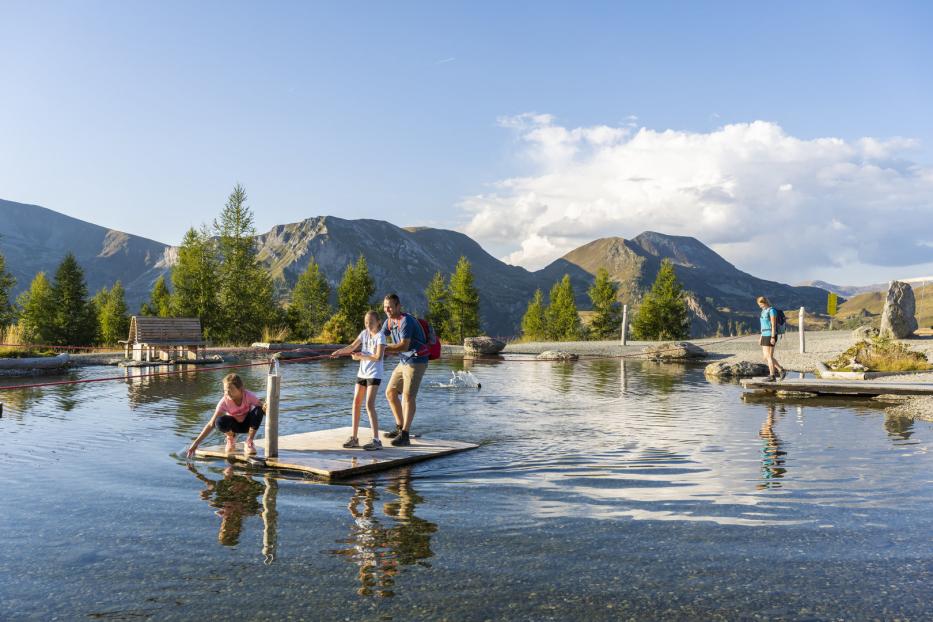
676 351
736 369
864 333
898 319
483 346
557 355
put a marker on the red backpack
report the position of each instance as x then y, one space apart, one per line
431 349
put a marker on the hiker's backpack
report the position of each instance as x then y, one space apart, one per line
781 321
433 347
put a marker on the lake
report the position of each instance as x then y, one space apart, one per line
602 490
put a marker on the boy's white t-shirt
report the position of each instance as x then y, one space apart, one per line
371 369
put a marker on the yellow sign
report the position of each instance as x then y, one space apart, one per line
831 304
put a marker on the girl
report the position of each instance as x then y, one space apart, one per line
769 337
239 411
372 344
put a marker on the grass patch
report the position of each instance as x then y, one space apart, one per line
880 354
24 353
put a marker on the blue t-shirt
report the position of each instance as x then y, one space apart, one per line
768 316
407 327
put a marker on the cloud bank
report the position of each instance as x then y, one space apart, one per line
754 193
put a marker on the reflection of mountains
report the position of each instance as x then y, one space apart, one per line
380 548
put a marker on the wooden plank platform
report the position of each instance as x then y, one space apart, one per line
822 386
320 453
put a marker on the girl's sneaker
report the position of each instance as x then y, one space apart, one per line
231 445
373 445
250 446
351 443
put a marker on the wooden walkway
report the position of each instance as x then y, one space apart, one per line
320 453
840 387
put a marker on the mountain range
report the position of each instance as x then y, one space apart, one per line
403 260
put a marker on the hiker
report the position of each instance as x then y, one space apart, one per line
372 343
238 412
410 343
770 333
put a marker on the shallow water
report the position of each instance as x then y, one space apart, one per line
601 491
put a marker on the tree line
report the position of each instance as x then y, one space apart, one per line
219 278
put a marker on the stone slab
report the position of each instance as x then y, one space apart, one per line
320 453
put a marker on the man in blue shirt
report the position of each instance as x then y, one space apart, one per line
410 343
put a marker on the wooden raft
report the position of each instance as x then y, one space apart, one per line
320 453
822 386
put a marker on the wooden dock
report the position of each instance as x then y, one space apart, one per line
320 453
822 386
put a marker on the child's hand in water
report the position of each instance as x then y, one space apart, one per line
190 451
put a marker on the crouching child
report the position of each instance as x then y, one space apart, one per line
238 412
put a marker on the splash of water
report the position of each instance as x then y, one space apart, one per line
460 380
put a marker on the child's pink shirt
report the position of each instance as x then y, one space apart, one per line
228 406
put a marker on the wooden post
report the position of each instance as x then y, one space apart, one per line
272 410
269 519
803 338
624 322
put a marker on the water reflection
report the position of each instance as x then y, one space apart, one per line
378 547
899 427
236 497
772 452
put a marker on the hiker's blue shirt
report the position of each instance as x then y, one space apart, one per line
407 327
768 316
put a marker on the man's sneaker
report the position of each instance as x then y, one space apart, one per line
373 445
231 445
401 440
351 443
394 433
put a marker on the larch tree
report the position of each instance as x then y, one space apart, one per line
310 304
438 297
37 311
463 302
194 281
607 318
112 318
160 300
662 314
75 317
563 319
534 322
354 295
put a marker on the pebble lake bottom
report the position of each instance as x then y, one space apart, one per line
602 490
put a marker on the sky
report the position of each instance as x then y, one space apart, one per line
795 139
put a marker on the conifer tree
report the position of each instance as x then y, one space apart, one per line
438 313
37 311
160 300
194 281
310 306
7 311
606 317
354 293
75 317
563 320
662 314
112 319
463 302
246 293
534 322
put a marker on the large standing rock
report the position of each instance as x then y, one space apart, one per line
740 369
678 351
898 319
482 345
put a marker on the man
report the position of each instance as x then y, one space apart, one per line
410 343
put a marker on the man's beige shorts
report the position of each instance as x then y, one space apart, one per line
406 379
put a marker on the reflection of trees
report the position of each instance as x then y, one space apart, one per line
235 496
604 376
17 401
379 549
662 377
772 454
899 427
563 376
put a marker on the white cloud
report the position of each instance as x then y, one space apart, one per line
771 203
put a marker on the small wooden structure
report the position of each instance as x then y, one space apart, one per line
320 454
821 386
164 339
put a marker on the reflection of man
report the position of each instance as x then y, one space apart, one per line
410 343
772 456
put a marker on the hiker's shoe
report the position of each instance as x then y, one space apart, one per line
351 443
401 440
250 446
394 433
231 445
782 374
373 445
770 379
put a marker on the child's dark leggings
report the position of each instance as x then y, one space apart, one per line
226 423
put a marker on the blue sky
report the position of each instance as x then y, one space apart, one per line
141 117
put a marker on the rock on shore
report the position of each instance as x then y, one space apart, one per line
557 355
482 346
736 369
676 351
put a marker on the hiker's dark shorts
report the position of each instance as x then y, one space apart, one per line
226 423
369 382
766 340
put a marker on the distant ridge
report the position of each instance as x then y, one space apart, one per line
403 260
